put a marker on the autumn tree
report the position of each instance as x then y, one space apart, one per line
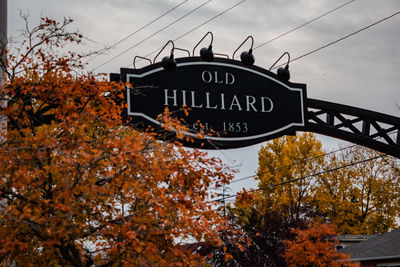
315 247
355 189
361 198
283 160
256 232
80 188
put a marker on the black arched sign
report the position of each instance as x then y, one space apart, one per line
234 104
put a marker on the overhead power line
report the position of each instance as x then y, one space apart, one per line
141 28
207 21
341 39
304 177
197 27
290 165
300 161
157 32
304 24
228 9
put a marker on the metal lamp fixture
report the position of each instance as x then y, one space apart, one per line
283 73
247 58
168 63
206 53
139 57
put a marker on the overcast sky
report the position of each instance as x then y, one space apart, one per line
362 71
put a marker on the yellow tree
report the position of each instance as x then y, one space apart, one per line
361 198
283 160
355 194
77 187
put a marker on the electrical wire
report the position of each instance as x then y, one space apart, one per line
292 164
303 177
207 21
341 39
195 28
391 165
296 28
157 32
141 28
304 24
301 161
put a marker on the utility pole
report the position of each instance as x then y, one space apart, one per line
3 44
3 103
3 23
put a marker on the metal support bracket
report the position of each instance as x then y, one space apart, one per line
375 130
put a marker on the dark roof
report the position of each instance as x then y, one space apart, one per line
380 247
354 238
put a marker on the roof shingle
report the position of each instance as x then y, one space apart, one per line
382 246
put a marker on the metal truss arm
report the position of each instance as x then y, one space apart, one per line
375 130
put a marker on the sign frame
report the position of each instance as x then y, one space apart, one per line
225 140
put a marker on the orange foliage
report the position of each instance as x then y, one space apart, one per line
315 246
77 187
